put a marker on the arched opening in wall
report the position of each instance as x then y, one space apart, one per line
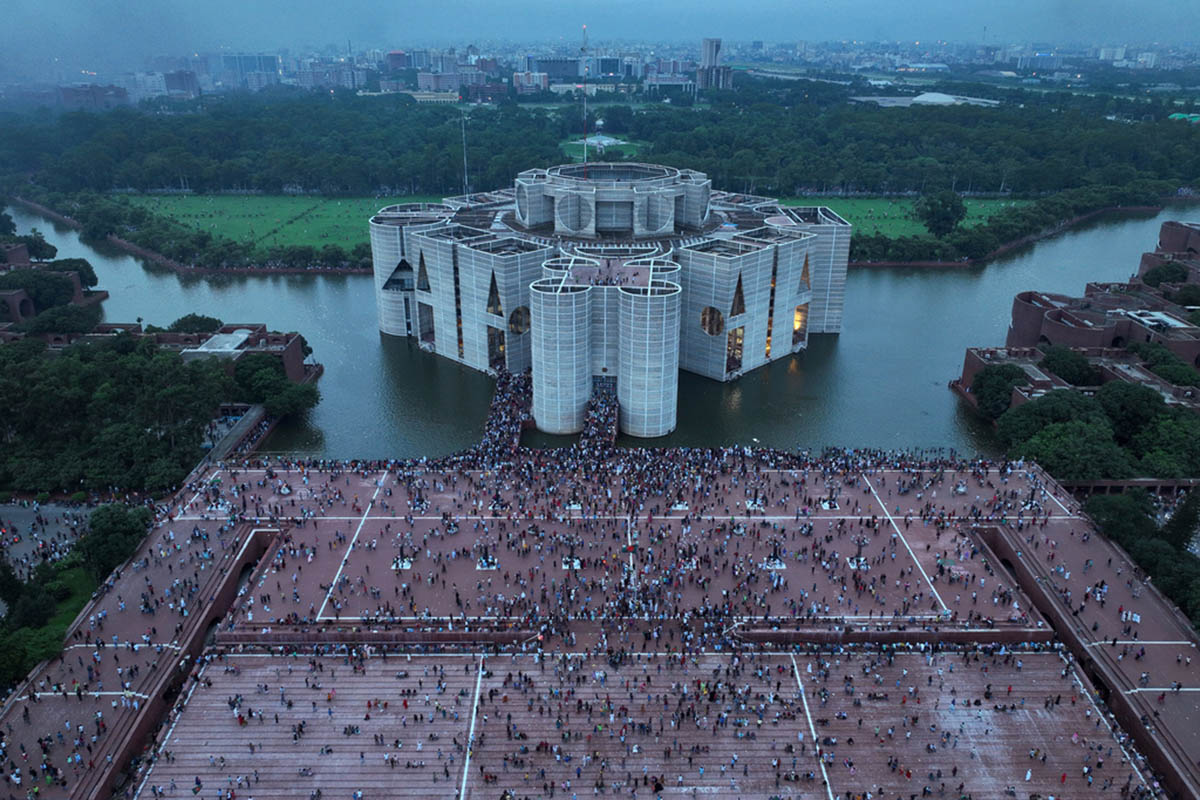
1043 341
25 308
518 320
712 321
799 324
1118 341
805 277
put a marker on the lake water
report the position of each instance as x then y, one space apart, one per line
881 383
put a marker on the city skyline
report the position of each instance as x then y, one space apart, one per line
69 30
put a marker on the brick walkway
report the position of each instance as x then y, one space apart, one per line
645 577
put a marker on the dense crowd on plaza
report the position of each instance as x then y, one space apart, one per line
672 552
31 534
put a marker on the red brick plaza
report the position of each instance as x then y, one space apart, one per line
641 624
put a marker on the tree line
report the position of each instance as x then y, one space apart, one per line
1122 430
349 145
121 413
768 137
41 608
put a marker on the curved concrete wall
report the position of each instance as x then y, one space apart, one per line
562 379
387 248
648 368
1025 324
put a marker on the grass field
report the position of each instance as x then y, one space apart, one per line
82 586
275 220
279 220
893 216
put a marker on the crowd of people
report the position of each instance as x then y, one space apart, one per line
32 534
603 552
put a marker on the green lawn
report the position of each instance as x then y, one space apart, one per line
284 220
82 585
893 216
275 220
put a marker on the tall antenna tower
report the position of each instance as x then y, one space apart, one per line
463 120
583 48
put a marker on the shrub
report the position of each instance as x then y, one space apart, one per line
993 385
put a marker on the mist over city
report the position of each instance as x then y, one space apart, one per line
40 37
669 400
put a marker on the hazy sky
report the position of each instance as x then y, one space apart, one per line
124 31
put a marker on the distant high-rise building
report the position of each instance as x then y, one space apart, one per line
182 83
710 74
527 82
558 68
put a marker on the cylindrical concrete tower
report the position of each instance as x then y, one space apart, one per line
648 368
394 275
387 250
562 376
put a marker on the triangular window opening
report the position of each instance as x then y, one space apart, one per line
805 279
493 304
739 301
422 275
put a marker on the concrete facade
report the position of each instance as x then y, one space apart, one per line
610 275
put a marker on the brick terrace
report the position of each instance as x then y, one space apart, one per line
911 571
672 560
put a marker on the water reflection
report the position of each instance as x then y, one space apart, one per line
881 383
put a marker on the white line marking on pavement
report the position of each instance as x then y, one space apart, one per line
462 792
350 549
900 533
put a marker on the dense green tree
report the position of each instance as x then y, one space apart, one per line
32 609
1172 442
46 289
195 323
7 226
1128 519
64 319
73 421
1130 407
1072 367
1078 450
1180 529
87 274
993 385
1124 517
39 249
294 398
114 533
1187 295
941 212
1016 425
1167 272
10 584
